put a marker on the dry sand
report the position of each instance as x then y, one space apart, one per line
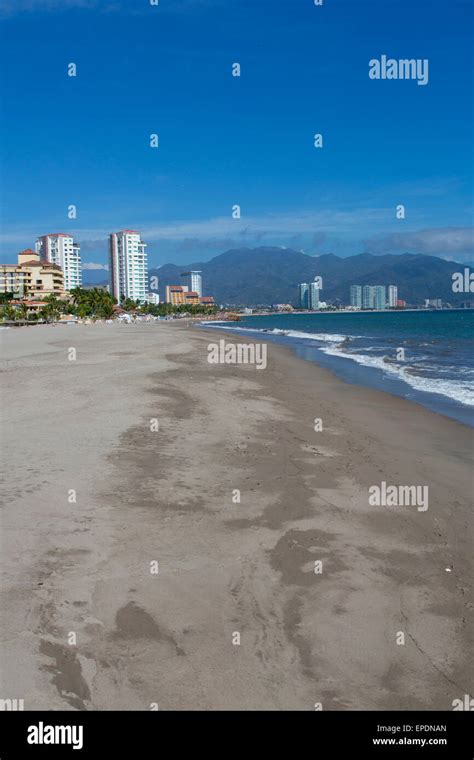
83 569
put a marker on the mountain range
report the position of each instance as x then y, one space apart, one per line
266 275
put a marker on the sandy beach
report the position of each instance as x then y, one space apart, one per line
130 564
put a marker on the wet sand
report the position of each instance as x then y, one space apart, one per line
130 566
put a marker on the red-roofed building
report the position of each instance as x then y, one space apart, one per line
191 297
175 295
32 278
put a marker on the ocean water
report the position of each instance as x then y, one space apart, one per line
425 356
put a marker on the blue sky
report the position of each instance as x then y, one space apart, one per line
225 140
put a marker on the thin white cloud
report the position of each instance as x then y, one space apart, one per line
92 265
334 230
272 224
436 241
259 227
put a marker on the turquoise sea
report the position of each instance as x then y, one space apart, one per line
425 356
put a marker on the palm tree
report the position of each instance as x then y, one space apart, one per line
8 313
52 300
92 302
22 311
50 312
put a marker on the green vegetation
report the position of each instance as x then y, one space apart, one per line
6 297
166 309
93 303
8 313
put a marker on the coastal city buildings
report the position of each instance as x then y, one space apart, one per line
153 298
303 293
356 296
308 295
191 297
313 296
128 267
392 296
31 277
373 297
60 249
368 297
380 297
175 294
192 281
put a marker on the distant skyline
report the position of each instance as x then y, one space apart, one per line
227 140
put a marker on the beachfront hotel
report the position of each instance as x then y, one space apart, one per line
32 277
191 297
60 249
178 295
128 267
192 281
153 298
175 295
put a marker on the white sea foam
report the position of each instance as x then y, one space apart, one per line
461 391
322 337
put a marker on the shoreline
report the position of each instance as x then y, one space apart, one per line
349 370
225 566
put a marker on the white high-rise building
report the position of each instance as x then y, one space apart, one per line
368 297
380 297
356 296
193 281
128 267
392 296
313 296
61 249
303 291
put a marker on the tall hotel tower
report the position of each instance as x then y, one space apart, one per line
392 296
303 292
61 249
128 267
193 281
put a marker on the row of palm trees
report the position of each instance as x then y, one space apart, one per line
21 313
95 303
